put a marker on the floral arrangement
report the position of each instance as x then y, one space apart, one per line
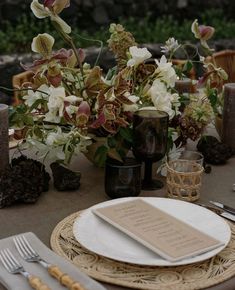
68 104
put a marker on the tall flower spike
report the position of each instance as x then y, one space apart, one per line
51 9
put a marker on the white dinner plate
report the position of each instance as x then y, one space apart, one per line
98 236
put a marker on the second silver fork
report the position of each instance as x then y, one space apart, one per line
30 255
14 267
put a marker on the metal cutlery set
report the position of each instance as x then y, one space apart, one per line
27 253
225 210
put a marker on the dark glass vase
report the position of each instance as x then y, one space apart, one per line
150 128
122 179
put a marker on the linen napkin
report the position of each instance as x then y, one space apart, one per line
18 282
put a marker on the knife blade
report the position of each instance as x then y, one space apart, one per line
228 216
224 207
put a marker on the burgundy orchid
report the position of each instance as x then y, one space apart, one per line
83 114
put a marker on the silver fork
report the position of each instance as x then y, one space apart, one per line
30 255
14 267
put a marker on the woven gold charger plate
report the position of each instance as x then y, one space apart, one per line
190 277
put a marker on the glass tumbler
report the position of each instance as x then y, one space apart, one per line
122 179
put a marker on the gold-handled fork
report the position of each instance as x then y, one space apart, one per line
30 255
14 267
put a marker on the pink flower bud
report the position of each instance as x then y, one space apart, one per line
48 3
83 114
206 32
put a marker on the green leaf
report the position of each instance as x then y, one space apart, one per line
38 132
28 120
127 134
37 103
187 66
213 97
101 155
112 153
112 142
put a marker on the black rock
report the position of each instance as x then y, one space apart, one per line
214 152
23 181
64 178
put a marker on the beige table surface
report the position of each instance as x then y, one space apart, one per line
53 206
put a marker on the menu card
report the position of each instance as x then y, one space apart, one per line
162 233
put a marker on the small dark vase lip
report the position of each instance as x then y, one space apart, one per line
128 162
142 112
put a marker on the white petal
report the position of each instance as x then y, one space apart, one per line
63 25
39 10
43 44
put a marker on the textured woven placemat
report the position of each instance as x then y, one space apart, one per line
190 277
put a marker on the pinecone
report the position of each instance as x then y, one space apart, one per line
214 152
64 178
23 181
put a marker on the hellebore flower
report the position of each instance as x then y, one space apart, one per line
202 32
83 114
51 9
56 6
43 44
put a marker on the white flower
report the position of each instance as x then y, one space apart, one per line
133 107
82 145
164 100
166 72
139 55
71 109
56 105
170 46
55 138
174 154
33 96
40 11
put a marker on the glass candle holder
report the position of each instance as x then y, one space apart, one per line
122 179
184 178
192 156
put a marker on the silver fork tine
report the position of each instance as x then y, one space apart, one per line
25 246
10 264
2 258
12 258
29 246
20 247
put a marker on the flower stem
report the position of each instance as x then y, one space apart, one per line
69 40
22 90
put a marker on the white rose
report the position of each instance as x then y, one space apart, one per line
162 99
166 72
139 55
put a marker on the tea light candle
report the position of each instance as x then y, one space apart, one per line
228 133
183 86
4 142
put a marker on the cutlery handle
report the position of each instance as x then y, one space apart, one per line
64 278
37 284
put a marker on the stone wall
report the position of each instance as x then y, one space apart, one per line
88 13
